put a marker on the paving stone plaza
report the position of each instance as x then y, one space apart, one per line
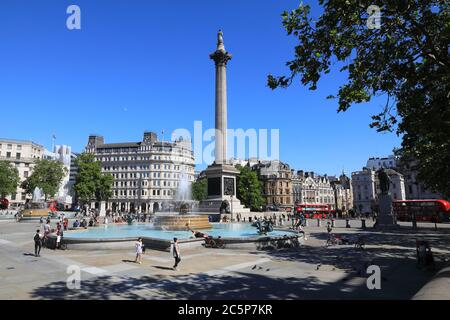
312 271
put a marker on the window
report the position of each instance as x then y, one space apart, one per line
8 154
25 174
13 197
17 155
9 147
19 147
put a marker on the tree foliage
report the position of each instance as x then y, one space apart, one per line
200 189
47 175
91 183
406 61
249 189
9 178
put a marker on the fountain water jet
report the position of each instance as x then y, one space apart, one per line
178 217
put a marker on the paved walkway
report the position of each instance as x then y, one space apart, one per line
311 272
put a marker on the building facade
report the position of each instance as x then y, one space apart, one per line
22 154
147 174
276 180
343 193
376 163
414 189
366 188
311 188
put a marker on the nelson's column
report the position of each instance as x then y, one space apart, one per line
222 176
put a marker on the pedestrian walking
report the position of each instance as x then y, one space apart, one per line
37 243
139 246
176 253
329 229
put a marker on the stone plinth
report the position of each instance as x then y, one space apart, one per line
385 218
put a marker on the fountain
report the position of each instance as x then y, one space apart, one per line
177 212
182 213
37 208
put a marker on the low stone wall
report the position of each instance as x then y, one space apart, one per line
164 245
8 214
437 289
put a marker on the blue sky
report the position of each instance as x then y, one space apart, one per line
140 65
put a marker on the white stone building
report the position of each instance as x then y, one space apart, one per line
310 188
22 154
414 189
366 188
147 174
376 163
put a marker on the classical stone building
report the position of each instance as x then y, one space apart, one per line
376 163
343 193
310 188
276 179
414 189
366 188
22 154
147 174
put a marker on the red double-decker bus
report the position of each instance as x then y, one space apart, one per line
422 210
315 211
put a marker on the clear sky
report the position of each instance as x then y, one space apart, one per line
140 65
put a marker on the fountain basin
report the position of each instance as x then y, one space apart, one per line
182 222
234 235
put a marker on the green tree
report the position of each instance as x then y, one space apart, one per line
47 175
200 189
406 61
249 189
9 179
91 183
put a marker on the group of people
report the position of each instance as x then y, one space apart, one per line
41 239
175 249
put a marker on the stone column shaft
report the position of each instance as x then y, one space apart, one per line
221 114
221 57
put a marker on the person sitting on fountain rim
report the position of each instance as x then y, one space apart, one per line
198 234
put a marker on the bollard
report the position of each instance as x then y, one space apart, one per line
332 223
318 222
306 222
363 223
347 223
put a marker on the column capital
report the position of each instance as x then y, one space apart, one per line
220 57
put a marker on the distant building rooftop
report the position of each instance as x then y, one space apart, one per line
19 141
